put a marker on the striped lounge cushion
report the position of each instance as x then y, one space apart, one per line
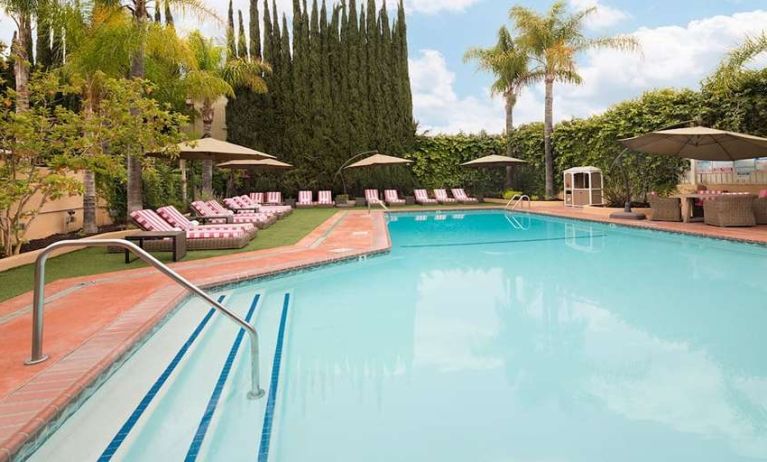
258 198
325 197
274 197
214 233
148 220
304 197
371 195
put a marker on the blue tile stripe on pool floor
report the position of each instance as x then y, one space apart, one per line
511 241
266 431
118 439
199 436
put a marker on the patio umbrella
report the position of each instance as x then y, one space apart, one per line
210 149
493 161
377 160
265 164
699 143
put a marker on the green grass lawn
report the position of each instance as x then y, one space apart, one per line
84 262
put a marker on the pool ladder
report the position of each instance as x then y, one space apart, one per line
38 302
518 200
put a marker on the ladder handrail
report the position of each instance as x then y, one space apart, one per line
519 199
38 301
381 203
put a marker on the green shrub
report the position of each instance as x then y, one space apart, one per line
509 193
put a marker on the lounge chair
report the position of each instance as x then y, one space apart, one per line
305 200
462 197
665 208
279 210
760 208
237 205
422 197
197 238
441 196
392 198
730 210
215 213
273 198
371 197
325 199
257 198
177 220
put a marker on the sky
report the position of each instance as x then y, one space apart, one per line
681 42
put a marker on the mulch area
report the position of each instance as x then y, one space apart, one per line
37 244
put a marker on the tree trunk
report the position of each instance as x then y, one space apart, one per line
21 65
511 100
184 181
207 165
89 203
548 128
135 196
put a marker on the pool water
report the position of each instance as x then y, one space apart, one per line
483 336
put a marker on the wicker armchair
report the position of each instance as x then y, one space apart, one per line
760 210
665 208
730 210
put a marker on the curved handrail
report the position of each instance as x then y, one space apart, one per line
520 198
38 301
381 203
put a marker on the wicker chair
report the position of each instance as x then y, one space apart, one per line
730 210
666 208
760 210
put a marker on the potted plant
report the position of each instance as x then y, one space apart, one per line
342 200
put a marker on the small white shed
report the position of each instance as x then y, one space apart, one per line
583 186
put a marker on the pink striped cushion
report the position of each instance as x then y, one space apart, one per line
214 233
274 197
325 197
421 195
763 194
371 195
258 198
304 197
392 196
441 195
174 217
218 209
150 221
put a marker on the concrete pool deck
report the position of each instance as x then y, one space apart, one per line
89 326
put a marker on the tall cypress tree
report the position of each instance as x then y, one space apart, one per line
255 31
43 45
405 99
231 45
242 42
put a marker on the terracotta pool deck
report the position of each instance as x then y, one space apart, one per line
93 321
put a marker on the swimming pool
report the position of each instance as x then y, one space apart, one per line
481 336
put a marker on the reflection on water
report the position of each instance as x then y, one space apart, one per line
557 341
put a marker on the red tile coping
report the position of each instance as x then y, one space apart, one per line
87 328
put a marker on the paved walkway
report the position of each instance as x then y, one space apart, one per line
91 321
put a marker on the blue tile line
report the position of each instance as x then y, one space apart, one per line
512 241
199 436
118 439
266 432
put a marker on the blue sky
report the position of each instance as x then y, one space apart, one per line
682 41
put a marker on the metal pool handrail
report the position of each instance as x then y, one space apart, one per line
519 200
38 301
381 203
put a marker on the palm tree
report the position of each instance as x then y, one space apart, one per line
21 12
553 41
732 68
141 20
91 29
216 77
508 62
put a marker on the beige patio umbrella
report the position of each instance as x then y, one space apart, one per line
379 160
699 143
264 164
494 160
210 149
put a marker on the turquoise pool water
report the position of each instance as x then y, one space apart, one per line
483 336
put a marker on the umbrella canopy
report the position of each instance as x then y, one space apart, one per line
265 164
493 161
700 143
213 149
379 160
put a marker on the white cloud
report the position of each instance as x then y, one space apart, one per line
435 6
605 15
671 56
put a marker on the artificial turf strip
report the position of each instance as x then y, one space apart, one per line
287 231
